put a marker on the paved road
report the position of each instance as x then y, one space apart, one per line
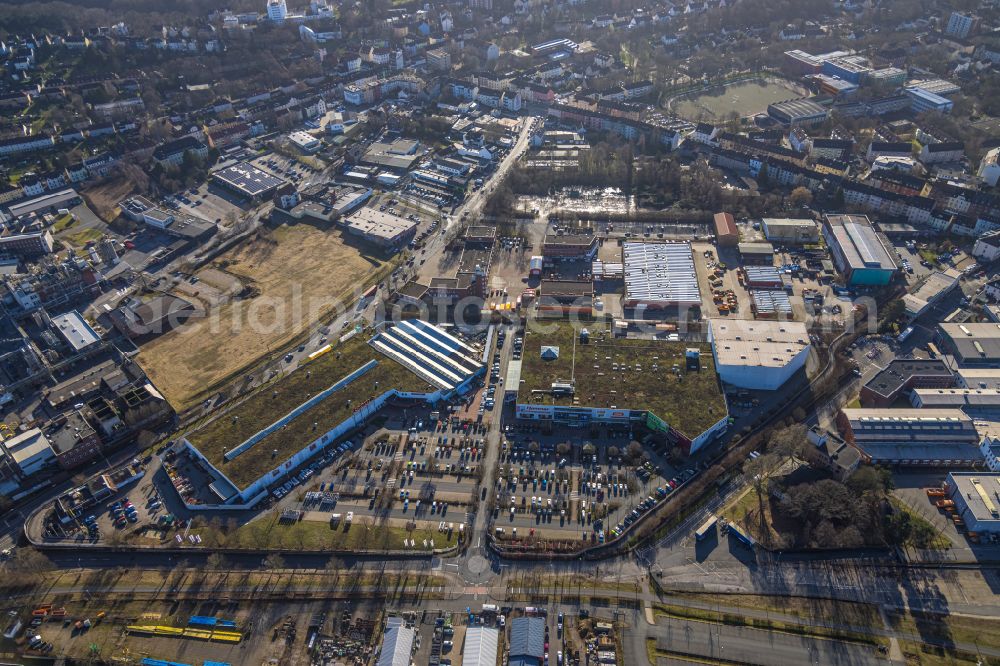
676 562
753 646
469 210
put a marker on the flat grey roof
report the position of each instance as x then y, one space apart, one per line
568 239
49 200
979 493
974 341
930 451
895 375
788 223
759 247
875 415
768 344
379 223
957 397
979 377
566 288
27 444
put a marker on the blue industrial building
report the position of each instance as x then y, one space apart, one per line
857 250
923 100
527 641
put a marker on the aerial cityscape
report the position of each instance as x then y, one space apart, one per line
500 332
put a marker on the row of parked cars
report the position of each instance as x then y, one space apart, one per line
307 472
651 501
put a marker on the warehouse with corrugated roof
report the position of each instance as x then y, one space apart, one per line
481 645
660 275
527 641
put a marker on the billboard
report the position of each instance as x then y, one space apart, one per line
603 414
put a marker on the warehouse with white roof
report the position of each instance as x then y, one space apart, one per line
660 275
977 501
397 644
481 646
759 355
429 352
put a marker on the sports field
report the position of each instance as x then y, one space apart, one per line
746 99
294 276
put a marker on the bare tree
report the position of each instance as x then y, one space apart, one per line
274 561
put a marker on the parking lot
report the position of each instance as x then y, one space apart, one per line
417 470
552 487
428 220
290 169
140 510
210 202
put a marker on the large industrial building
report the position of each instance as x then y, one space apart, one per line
481 646
380 228
857 250
758 354
247 181
930 291
798 112
977 501
912 437
566 296
977 403
972 343
527 642
258 443
304 141
430 353
579 377
660 275
397 643
982 378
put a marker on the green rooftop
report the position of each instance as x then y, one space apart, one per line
618 372
278 399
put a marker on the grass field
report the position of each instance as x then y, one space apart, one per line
952 627
826 610
63 223
746 99
82 237
300 271
737 620
319 536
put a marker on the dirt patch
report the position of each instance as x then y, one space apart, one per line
103 198
301 272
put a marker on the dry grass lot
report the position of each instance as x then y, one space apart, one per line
103 198
301 272
366 534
